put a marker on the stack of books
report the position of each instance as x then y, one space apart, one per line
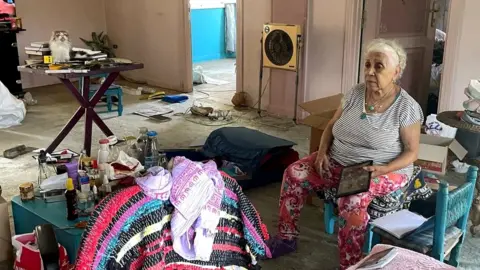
87 55
36 51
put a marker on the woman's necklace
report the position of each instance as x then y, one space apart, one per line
371 107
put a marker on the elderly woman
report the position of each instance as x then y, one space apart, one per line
377 120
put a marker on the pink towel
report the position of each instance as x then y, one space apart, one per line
407 259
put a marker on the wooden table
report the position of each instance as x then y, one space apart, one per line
451 118
86 105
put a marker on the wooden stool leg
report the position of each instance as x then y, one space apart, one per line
120 104
109 103
329 217
309 200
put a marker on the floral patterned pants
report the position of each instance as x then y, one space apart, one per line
301 178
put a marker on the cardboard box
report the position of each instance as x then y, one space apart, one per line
321 111
433 153
6 250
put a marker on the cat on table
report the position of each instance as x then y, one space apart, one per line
61 46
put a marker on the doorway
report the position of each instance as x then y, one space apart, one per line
420 27
213 27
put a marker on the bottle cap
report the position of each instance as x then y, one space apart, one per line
69 184
151 133
104 141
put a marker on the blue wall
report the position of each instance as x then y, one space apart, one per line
208 34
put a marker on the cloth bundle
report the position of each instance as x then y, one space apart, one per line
196 195
132 230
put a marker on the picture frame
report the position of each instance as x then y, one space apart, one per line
354 179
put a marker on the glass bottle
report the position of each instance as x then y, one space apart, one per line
151 151
141 142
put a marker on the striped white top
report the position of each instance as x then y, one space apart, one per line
377 137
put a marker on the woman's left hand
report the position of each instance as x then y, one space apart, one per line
377 170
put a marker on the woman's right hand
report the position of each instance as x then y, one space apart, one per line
321 162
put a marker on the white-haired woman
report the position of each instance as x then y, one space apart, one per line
377 120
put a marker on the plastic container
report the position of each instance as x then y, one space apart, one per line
103 152
151 150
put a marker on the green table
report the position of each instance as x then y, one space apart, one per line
27 215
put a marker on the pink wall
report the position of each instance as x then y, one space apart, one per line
151 32
462 53
324 49
255 14
40 18
282 83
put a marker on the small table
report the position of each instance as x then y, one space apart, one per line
86 105
27 215
451 118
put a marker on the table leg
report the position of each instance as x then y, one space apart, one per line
87 138
65 130
101 125
87 106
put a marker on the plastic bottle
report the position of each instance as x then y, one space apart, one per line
95 194
151 151
141 142
103 152
71 196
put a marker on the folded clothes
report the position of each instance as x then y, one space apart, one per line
469 119
473 89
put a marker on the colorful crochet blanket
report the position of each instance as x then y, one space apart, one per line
129 230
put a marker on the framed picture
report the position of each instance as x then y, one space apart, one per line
354 179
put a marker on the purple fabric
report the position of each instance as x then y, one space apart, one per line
196 194
279 247
156 183
72 171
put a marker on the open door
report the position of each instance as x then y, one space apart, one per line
412 24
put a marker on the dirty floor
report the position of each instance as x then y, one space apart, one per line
317 250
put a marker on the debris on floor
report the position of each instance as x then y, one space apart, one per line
200 78
12 110
28 99
17 151
175 98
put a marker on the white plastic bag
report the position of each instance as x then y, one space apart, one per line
12 110
437 128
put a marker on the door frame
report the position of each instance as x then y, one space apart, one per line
352 49
188 47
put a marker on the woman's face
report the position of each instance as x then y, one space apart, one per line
380 72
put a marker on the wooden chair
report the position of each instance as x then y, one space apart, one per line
113 91
450 223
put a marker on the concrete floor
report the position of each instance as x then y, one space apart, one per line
317 250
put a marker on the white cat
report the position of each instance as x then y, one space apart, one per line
60 45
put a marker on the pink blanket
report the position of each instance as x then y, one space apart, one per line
407 259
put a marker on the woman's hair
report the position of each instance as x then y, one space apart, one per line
392 49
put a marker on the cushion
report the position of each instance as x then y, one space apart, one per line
423 241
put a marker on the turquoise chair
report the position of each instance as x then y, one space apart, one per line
113 91
415 189
447 232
